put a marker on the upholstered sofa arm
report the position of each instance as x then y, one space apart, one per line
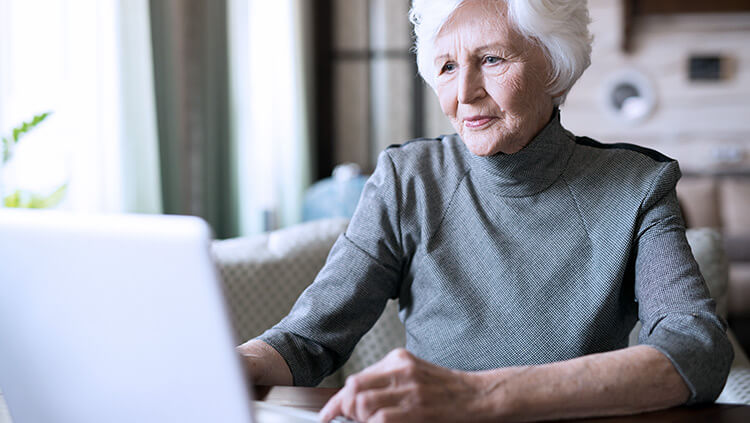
737 388
263 275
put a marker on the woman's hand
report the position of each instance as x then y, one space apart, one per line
404 388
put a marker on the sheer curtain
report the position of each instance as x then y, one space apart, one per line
89 63
270 70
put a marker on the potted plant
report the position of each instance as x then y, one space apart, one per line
22 198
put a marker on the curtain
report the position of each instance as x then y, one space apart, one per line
270 46
140 150
189 39
232 91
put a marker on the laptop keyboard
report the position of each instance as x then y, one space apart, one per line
272 413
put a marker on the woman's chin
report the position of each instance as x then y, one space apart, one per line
489 145
482 147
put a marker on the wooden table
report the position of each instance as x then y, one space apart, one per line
313 399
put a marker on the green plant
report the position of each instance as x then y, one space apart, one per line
27 200
9 143
23 198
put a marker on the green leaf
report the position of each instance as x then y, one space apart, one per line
13 200
26 127
28 200
39 118
51 200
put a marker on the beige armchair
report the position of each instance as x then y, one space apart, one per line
264 275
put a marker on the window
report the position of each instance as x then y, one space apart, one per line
65 57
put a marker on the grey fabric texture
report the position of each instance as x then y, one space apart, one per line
540 256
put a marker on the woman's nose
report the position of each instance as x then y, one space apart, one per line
470 85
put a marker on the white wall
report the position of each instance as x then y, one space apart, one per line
693 122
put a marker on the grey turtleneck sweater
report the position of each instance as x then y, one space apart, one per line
544 255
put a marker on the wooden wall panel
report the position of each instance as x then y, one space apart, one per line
695 121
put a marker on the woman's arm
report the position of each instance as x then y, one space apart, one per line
674 305
264 364
362 271
626 381
403 388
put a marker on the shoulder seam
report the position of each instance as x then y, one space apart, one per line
450 203
650 190
652 154
415 140
373 258
399 198
578 207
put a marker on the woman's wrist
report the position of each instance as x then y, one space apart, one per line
495 394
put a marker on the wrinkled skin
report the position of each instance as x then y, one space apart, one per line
404 388
487 70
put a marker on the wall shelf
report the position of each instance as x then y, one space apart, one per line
635 9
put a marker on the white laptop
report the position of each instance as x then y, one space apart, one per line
117 318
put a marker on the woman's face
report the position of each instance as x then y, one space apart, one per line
491 81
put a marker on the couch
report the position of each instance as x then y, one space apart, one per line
722 201
264 274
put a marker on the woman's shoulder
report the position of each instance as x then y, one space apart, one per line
423 157
422 175
623 151
621 167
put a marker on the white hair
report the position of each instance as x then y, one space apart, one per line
559 27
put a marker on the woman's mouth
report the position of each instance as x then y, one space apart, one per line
477 122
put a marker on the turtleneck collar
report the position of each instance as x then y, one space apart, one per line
528 171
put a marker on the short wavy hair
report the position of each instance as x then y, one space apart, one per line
559 27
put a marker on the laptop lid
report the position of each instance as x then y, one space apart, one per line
115 318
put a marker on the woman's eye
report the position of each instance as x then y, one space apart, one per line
448 67
492 60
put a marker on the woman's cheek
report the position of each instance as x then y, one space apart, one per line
513 92
448 99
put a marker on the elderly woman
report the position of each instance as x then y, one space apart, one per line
521 254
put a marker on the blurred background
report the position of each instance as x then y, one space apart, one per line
238 111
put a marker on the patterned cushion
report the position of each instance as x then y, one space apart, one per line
263 275
387 334
708 251
737 388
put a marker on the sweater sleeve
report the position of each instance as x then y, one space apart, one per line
362 271
675 307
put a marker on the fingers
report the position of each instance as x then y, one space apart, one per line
374 388
391 415
367 404
364 406
343 404
332 409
